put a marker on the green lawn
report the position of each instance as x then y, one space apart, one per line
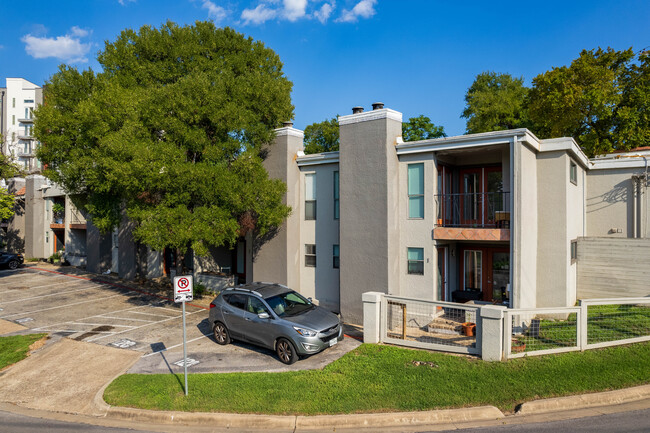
15 348
375 378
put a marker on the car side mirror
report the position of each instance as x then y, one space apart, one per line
263 315
310 300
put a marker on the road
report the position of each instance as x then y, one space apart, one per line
629 422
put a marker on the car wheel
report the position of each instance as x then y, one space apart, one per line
13 264
286 352
221 333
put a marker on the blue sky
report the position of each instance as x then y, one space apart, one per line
418 57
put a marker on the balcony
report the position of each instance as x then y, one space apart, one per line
23 136
77 220
29 120
473 216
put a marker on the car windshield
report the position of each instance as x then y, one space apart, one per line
289 304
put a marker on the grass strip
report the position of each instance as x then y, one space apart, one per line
376 378
16 347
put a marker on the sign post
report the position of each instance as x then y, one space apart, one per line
183 293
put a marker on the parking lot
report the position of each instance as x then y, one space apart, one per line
89 310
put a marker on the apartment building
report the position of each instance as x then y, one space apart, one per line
19 99
500 217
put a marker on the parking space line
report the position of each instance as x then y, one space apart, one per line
149 324
45 296
157 315
175 345
101 324
93 316
126 318
59 306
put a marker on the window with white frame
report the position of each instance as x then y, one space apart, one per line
310 196
416 190
336 195
573 173
310 255
335 257
415 257
574 250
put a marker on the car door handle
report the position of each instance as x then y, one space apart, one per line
248 319
226 312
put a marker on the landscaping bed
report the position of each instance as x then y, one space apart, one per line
378 378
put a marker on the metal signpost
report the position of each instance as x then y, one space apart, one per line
183 293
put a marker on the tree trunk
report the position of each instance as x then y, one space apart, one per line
180 258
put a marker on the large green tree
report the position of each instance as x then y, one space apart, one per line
172 134
324 136
495 102
582 100
8 169
421 128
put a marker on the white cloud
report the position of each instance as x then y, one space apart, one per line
217 13
363 9
258 15
123 2
68 47
324 12
294 9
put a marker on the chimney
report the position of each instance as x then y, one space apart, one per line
377 105
287 124
357 110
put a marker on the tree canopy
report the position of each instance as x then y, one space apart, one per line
8 169
495 102
421 128
172 133
601 100
324 136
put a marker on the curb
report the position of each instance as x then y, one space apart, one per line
230 420
583 401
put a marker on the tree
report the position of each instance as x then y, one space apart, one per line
172 134
495 102
322 136
8 169
632 116
582 100
421 128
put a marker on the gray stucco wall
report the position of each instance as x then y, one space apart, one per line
37 243
369 199
610 196
277 257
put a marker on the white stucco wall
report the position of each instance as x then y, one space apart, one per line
525 223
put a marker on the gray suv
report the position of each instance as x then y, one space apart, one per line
276 317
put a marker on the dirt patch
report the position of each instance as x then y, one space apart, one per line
94 331
7 327
37 344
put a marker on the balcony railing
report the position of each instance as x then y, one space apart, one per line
477 210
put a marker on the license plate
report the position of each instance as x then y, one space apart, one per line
333 341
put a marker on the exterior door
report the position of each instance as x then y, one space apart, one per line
240 261
471 186
442 274
485 272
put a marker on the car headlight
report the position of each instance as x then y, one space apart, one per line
305 332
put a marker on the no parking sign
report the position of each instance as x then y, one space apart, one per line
183 289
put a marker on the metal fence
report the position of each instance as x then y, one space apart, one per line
541 331
432 325
609 322
486 209
595 323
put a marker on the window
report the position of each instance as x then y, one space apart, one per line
335 257
13 119
310 196
13 103
310 255
237 300
28 101
416 261
574 251
336 195
573 173
256 306
416 190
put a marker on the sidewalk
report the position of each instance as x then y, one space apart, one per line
70 377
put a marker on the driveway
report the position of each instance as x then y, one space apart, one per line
85 308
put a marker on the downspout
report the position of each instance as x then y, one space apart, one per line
634 211
2 122
644 206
